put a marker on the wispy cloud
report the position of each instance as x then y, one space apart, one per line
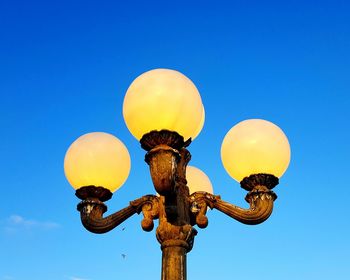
77 278
17 222
7 277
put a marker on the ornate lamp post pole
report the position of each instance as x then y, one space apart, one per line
163 109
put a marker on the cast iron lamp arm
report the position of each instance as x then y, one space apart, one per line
260 198
261 206
91 215
92 208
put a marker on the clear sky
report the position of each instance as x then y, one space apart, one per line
64 70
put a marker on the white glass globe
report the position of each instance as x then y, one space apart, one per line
197 180
200 126
163 99
255 146
98 159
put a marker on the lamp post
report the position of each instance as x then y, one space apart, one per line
164 111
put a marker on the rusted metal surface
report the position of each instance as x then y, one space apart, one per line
177 211
100 193
163 137
149 206
260 200
174 265
162 162
175 232
261 179
92 209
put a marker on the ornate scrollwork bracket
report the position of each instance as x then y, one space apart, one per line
260 199
200 201
149 206
92 208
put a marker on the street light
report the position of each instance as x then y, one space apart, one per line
164 111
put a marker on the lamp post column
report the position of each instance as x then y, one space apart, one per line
174 263
174 260
175 232
176 242
176 237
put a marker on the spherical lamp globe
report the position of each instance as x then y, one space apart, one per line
98 159
255 146
201 124
197 180
162 99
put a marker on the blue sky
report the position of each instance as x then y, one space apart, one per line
64 70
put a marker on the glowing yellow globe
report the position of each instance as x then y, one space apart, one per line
163 99
201 124
255 146
98 159
197 180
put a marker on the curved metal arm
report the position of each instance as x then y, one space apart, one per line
92 209
261 205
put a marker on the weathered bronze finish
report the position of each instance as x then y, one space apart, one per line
176 210
262 179
101 193
162 162
163 156
163 137
261 205
91 212
175 232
